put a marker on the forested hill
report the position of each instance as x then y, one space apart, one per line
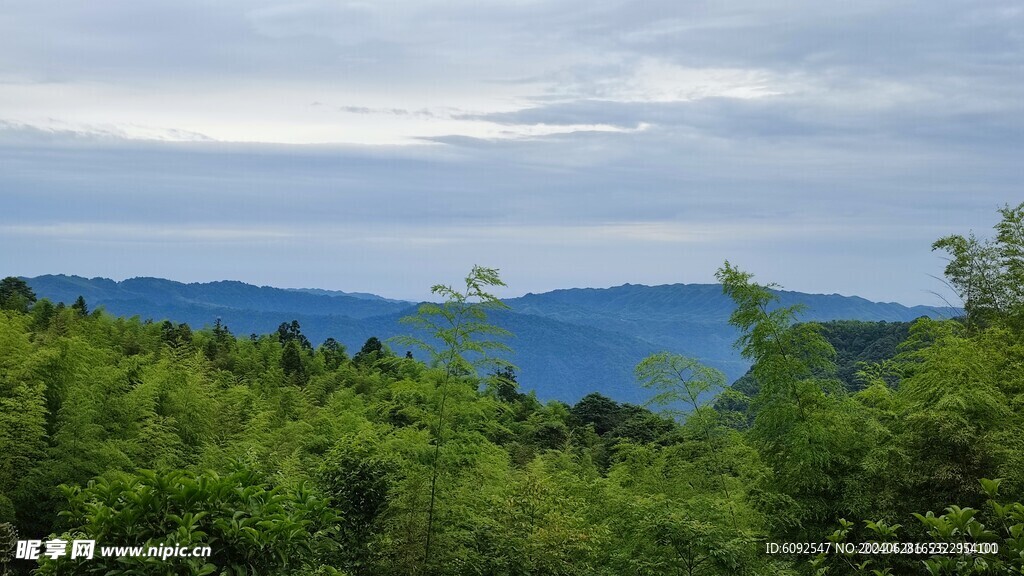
858 346
567 343
223 294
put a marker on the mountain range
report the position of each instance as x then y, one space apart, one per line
567 343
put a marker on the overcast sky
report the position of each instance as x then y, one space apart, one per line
388 145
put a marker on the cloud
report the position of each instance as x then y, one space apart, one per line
121 233
246 71
593 141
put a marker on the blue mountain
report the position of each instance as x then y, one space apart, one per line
567 343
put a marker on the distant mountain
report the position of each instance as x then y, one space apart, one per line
693 319
567 343
363 295
223 294
704 302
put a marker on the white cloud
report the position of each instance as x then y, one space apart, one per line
596 137
654 80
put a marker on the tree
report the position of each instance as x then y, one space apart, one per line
805 426
988 275
989 540
597 409
671 539
333 354
292 332
678 381
80 306
291 363
8 545
15 294
1010 240
505 384
357 478
542 524
461 340
955 421
175 336
373 349
23 438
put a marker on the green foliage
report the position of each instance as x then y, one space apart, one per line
176 336
291 363
80 306
461 341
541 525
805 427
505 384
961 541
358 477
292 332
678 381
988 275
250 526
859 345
333 354
675 540
372 351
601 412
15 294
8 545
954 418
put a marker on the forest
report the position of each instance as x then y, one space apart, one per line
289 458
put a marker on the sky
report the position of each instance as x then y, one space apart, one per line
385 146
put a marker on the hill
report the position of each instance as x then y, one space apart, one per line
567 342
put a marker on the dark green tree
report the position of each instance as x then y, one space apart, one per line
42 314
602 412
80 306
333 354
219 346
505 384
15 294
292 332
373 349
291 363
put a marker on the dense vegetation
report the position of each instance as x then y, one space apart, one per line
856 344
287 458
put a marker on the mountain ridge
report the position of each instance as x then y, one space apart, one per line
568 342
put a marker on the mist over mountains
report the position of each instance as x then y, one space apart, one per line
567 343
